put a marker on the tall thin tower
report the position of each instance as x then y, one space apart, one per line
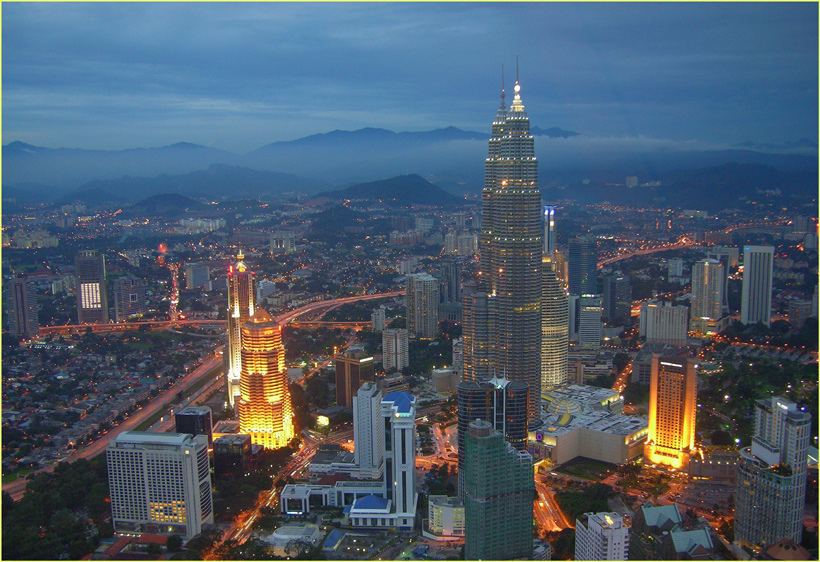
241 295
511 238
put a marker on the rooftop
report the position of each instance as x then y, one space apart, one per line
403 402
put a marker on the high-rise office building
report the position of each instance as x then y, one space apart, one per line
479 334
617 297
352 369
129 297
241 306
368 429
264 404
399 415
159 483
554 329
708 297
510 257
22 308
583 265
799 312
771 483
590 326
728 256
422 305
92 288
601 536
672 404
395 349
451 280
498 496
663 322
707 289
195 420
756 296
501 402
458 356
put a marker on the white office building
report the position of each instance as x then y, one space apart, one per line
377 319
601 536
590 326
395 349
368 431
159 483
756 296
664 323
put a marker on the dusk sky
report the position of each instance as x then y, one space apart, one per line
237 76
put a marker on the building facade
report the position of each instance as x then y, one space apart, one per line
195 420
422 292
241 306
756 295
510 257
590 325
395 349
708 277
672 405
21 303
368 430
662 322
264 404
771 475
617 297
129 298
92 288
601 536
159 483
352 369
583 265
501 402
554 327
499 491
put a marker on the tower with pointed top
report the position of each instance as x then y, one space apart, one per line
510 262
241 302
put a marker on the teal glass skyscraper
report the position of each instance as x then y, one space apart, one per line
499 490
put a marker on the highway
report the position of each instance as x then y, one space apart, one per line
17 488
546 510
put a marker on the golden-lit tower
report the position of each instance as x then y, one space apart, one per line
672 403
241 295
264 404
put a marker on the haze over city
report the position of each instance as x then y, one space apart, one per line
410 281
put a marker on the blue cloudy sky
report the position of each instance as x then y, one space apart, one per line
237 76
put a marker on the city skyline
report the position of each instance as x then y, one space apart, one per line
239 76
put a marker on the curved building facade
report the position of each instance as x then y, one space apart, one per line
241 304
264 405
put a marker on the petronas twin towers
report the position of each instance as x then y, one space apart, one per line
515 317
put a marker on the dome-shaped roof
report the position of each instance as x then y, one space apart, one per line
260 315
564 406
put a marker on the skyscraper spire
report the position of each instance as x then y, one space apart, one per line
517 104
503 104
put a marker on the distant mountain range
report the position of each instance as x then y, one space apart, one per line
452 158
396 192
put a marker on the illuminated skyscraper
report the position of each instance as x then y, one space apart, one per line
554 313
92 290
241 303
510 261
672 399
264 405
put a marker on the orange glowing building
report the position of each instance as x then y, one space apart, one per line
672 403
264 407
